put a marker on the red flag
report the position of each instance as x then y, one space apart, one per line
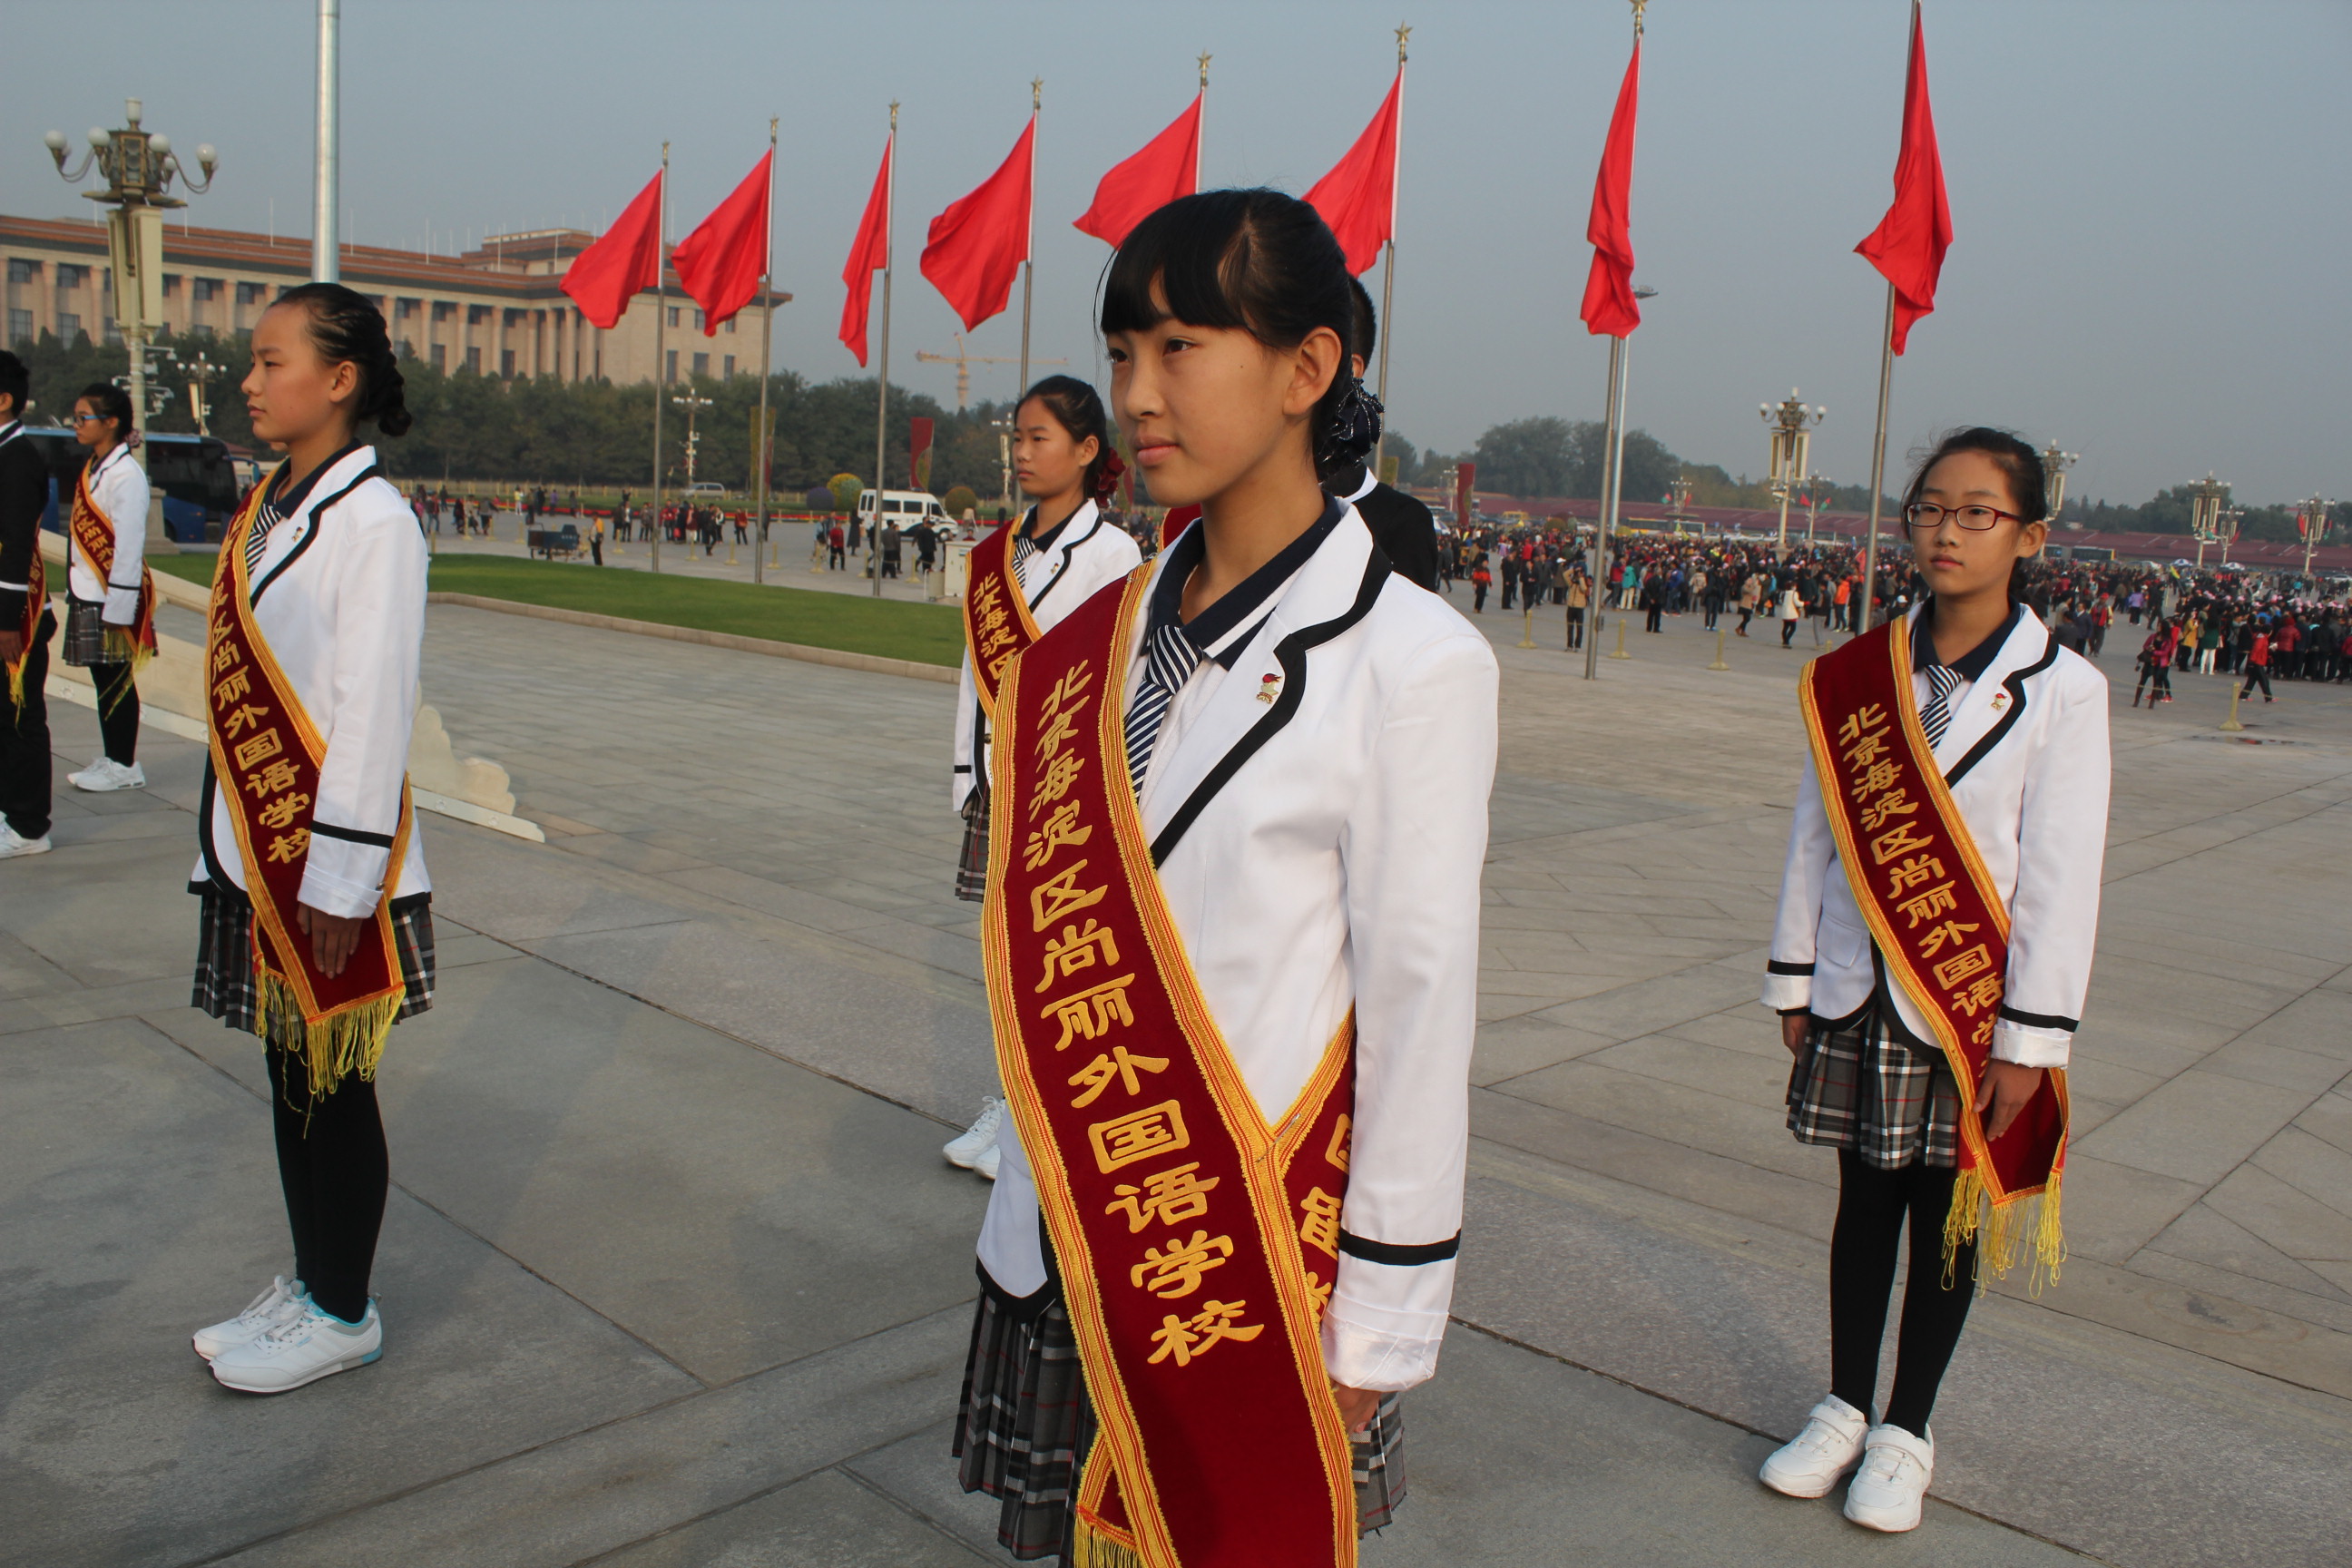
1358 197
1909 244
606 276
1610 310
868 254
1168 167
918 451
978 244
721 264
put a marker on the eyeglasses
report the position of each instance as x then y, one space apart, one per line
80 418
1927 514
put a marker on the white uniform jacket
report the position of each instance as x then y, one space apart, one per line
2026 757
339 596
119 485
1330 862
1086 551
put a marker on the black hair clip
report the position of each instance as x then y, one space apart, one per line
1355 428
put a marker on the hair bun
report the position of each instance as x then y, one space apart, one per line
1353 429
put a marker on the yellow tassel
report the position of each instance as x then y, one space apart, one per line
123 647
332 1048
1091 1547
2001 1231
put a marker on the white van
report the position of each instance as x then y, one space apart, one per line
904 507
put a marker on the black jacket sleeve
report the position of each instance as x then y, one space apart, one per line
1405 531
24 496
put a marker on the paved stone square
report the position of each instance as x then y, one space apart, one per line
674 1274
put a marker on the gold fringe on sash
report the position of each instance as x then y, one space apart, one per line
123 646
1092 1548
2004 1231
333 1047
16 680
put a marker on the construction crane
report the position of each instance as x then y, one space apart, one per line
964 361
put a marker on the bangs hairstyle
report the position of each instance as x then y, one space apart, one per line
1077 408
1249 260
2019 463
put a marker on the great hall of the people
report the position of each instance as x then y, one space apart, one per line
496 310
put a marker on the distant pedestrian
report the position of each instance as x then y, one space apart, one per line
2258 667
26 627
596 542
110 594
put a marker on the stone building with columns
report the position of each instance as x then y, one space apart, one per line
496 310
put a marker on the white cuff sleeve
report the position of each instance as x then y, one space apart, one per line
1785 992
336 891
1386 1348
2030 1047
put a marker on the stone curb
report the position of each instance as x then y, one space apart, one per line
874 663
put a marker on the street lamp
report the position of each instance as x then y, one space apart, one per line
693 403
1818 490
138 167
1792 449
199 370
1678 495
2205 498
2055 464
2311 520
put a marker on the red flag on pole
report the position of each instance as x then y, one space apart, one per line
1909 244
1610 310
1358 197
1168 167
977 246
721 264
606 276
919 452
869 254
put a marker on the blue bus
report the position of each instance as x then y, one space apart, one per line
194 474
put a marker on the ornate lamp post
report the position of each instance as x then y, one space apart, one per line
199 371
2205 498
1793 442
2055 464
693 403
2311 520
138 167
1818 490
1678 495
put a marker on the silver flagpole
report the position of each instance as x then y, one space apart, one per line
1596 590
1878 462
767 338
1029 247
661 382
326 252
1388 264
882 360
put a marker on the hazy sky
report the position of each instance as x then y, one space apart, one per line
2148 195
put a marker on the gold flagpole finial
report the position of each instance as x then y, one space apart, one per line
894 114
1036 94
1639 6
1204 69
1402 33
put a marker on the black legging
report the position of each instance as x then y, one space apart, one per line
331 1163
2256 674
118 711
1871 1206
1788 633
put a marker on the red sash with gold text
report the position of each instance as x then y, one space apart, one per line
1941 927
997 625
265 755
93 536
1197 1245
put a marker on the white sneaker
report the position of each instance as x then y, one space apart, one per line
966 1151
283 1299
300 1349
1818 1458
986 1163
13 843
1895 1469
106 774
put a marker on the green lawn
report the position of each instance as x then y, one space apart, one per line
927 634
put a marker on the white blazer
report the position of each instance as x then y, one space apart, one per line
119 486
340 597
1337 865
2026 757
1088 552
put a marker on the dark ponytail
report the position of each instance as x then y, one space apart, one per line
1077 408
1265 263
345 327
109 401
2020 464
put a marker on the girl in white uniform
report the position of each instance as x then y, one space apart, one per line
102 614
1311 742
2018 730
1065 549
335 566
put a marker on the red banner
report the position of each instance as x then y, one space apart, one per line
719 265
868 254
1168 167
1909 244
996 621
625 259
976 247
918 451
1610 310
1358 197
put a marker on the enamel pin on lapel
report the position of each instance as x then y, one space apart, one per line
2000 701
1265 687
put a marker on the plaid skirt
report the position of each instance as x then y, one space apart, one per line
1865 1087
84 643
971 868
225 987
1025 1425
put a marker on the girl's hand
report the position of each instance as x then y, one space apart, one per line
2006 1088
1792 1031
333 938
1357 1406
